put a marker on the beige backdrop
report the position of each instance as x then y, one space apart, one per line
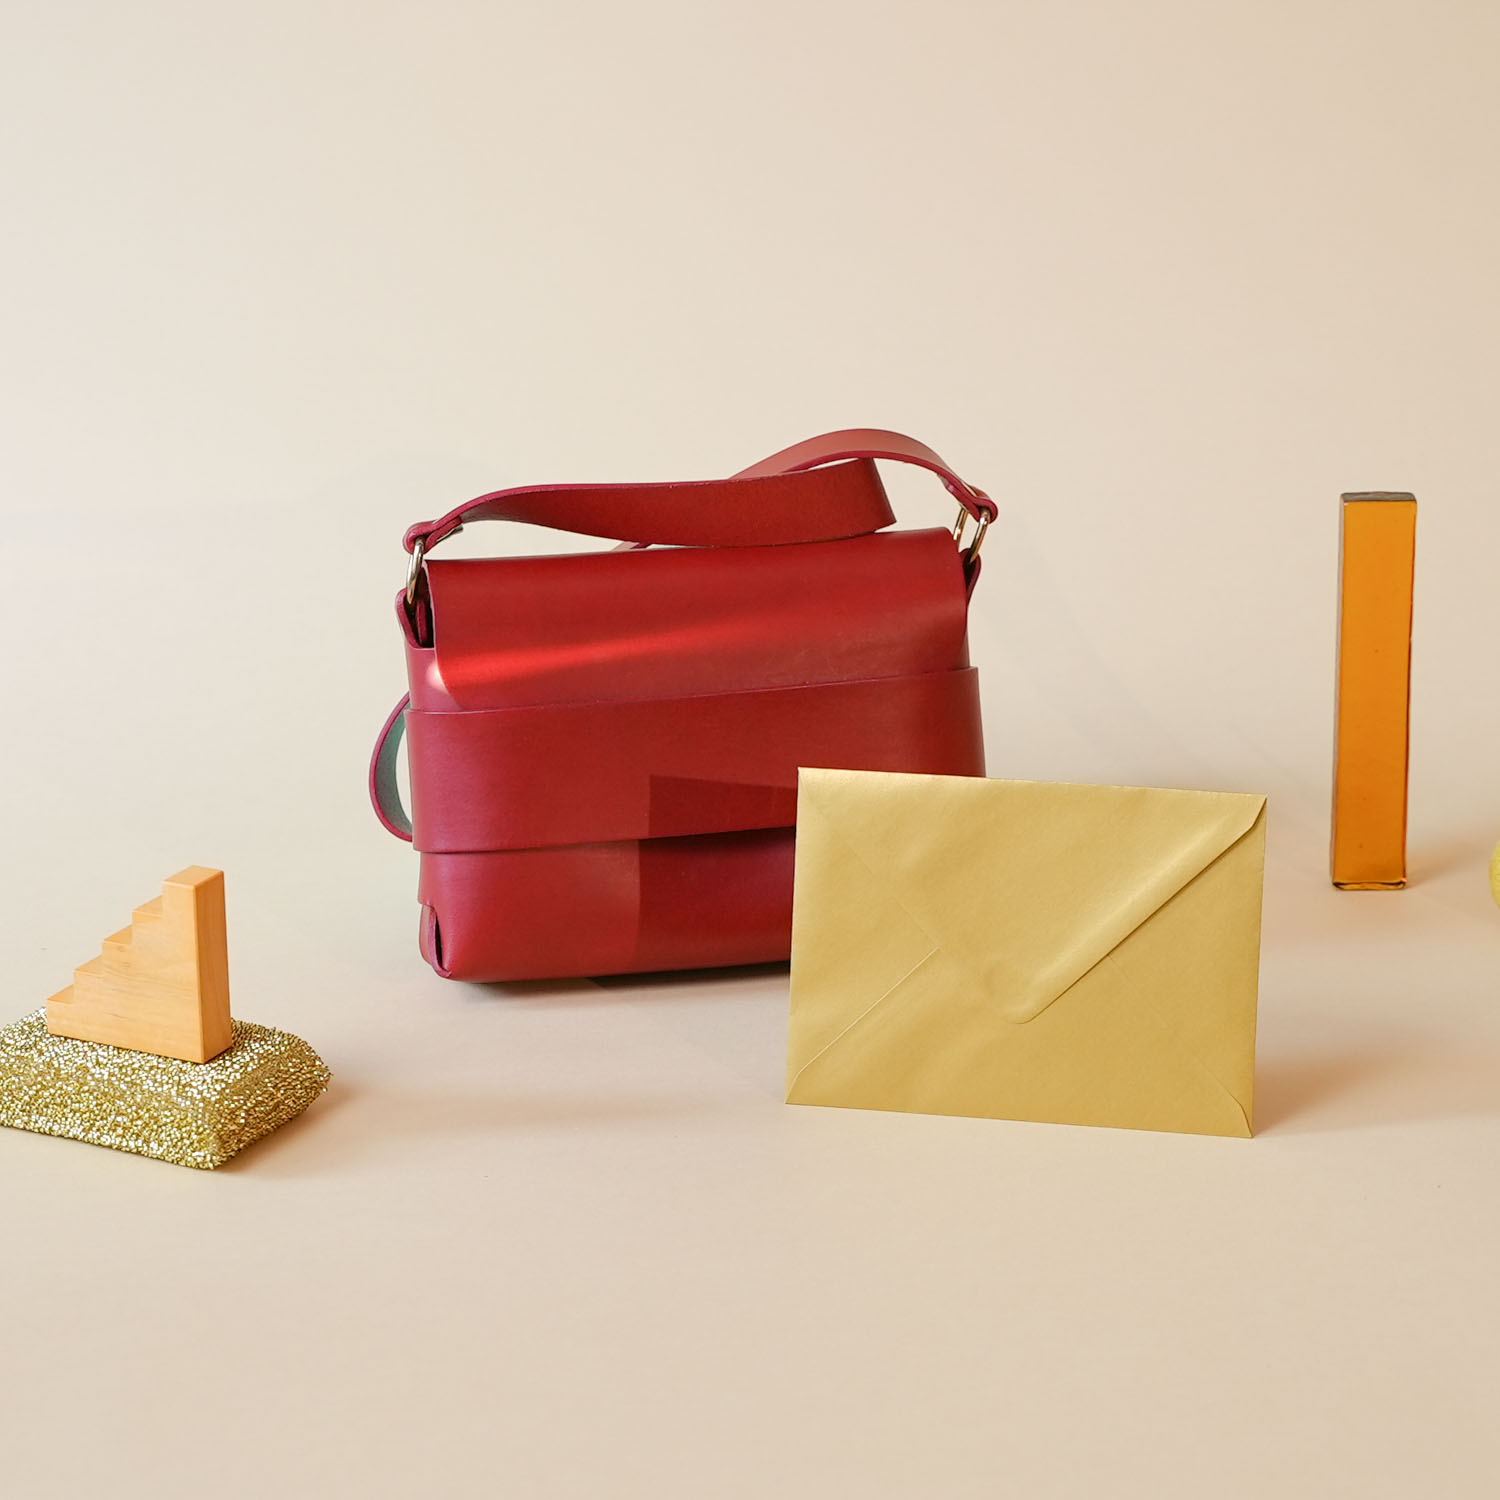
1166 277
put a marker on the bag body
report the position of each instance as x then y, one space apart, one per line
604 746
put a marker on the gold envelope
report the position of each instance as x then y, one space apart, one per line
1026 950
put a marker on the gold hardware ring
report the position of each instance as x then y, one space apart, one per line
958 534
418 552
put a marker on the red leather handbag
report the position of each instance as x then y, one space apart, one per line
604 746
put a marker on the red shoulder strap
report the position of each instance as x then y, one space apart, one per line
873 442
819 490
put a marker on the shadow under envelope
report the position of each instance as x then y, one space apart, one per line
1390 1084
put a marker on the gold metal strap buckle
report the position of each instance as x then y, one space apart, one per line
958 534
414 571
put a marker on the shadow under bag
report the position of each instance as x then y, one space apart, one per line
604 746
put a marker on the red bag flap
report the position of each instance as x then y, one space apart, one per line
669 622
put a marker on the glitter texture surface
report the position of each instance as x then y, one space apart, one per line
193 1114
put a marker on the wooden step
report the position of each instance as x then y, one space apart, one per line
162 984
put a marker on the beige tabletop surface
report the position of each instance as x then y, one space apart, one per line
1166 278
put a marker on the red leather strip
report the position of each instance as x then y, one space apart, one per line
873 442
575 773
820 505
725 898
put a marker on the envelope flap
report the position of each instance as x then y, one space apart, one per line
1027 884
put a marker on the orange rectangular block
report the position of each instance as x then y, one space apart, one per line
1376 574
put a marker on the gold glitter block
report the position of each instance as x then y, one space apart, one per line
194 1114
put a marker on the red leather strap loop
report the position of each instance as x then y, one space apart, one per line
819 490
385 793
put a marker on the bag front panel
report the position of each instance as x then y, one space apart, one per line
604 746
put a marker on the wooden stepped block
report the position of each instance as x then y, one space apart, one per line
162 984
